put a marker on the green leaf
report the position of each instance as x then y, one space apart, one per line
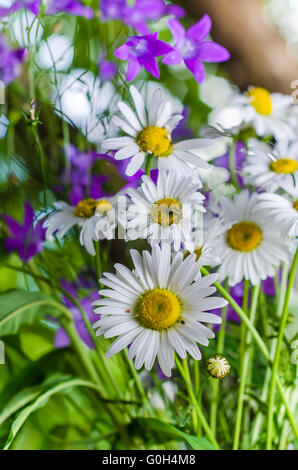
163 432
40 402
22 307
20 400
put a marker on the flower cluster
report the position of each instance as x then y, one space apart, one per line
157 220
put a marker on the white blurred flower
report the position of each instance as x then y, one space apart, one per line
26 28
4 123
56 52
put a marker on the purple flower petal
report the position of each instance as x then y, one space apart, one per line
150 65
133 69
201 29
177 30
268 286
25 238
122 52
84 333
69 6
14 226
197 69
61 339
157 48
29 214
173 58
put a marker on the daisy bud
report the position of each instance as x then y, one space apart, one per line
217 366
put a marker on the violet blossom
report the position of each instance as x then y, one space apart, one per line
10 61
140 51
82 180
31 5
62 339
26 238
79 177
191 47
140 13
73 7
107 68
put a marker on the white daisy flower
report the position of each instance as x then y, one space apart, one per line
148 132
283 209
95 217
267 112
157 309
251 246
166 211
272 167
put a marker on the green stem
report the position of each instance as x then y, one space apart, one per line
186 377
42 159
138 383
245 368
284 317
258 423
148 164
43 282
232 166
215 382
81 350
91 371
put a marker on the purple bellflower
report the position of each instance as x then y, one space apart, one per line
61 339
140 51
10 61
82 180
26 238
140 13
112 9
191 47
31 5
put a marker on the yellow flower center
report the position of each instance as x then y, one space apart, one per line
244 236
157 309
103 207
166 211
197 251
260 100
295 205
284 165
155 140
89 207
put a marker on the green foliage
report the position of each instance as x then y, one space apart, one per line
23 307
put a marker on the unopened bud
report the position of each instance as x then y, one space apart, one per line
217 366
